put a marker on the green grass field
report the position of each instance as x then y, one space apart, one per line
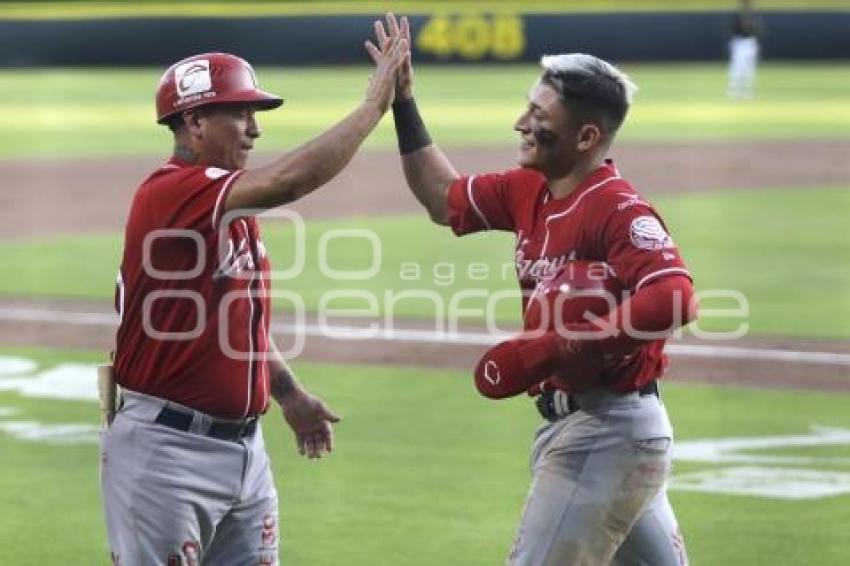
109 112
784 296
425 473
769 245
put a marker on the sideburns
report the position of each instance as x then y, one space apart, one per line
544 137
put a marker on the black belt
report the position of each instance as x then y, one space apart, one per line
550 409
218 429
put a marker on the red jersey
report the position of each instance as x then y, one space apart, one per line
604 219
193 297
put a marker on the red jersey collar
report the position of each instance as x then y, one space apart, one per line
175 162
607 170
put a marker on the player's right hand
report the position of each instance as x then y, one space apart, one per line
388 59
404 75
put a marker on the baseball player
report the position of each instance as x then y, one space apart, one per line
743 52
601 459
185 475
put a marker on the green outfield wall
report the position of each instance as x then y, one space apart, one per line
490 33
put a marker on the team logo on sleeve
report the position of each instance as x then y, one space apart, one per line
647 233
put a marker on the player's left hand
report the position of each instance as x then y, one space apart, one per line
311 421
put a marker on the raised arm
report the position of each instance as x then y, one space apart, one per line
426 168
428 173
319 160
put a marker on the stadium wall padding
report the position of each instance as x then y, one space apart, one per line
338 39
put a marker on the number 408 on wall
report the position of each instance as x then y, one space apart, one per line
472 36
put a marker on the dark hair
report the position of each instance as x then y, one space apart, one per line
591 96
174 122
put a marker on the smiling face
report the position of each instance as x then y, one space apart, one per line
223 134
552 140
544 130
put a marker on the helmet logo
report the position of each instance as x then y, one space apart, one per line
193 77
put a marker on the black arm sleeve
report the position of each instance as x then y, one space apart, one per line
409 127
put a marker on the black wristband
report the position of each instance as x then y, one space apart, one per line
409 127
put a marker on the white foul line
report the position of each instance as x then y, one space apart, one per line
413 335
18 314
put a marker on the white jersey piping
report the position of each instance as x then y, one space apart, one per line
260 327
474 205
249 397
570 209
661 272
221 193
120 282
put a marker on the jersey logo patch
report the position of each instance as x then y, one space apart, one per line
193 77
647 233
237 260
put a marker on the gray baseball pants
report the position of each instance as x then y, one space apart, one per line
174 498
598 495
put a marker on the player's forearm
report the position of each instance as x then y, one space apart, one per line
429 173
308 167
426 168
652 313
282 381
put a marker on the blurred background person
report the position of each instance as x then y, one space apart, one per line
743 52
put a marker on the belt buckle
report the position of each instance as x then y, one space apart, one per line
201 423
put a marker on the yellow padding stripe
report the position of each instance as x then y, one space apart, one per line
99 10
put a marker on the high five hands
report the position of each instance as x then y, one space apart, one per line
388 38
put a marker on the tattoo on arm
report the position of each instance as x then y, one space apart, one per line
281 381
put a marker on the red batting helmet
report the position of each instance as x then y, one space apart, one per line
578 288
209 78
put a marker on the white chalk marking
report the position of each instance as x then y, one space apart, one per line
343 332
